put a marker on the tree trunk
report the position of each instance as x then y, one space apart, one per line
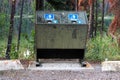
91 21
11 29
19 32
96 17
76 5
102 27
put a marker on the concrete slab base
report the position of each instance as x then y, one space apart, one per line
59 66
111 66
10 65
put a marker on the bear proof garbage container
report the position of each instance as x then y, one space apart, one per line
60 34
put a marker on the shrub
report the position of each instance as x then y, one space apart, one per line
100 48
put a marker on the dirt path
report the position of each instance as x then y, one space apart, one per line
95 74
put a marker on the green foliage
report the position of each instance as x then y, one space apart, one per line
3 25
48 6
100 48
14 54
2 48
2 20
27 44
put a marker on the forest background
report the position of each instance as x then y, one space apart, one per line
99 45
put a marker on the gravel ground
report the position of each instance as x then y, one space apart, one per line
95 74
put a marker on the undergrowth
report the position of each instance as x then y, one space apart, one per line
26 49
101 48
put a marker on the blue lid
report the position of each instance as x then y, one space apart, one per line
49 16
73 17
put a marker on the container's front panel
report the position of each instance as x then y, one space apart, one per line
62 36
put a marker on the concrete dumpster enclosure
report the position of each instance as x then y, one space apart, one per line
60 34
